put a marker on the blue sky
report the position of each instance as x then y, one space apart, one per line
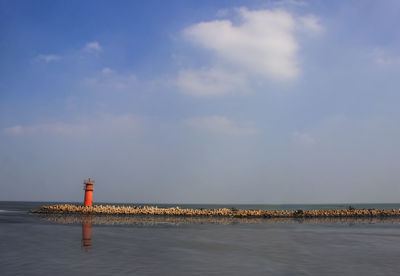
200 101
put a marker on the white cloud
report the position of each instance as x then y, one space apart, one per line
263 43
48 58
103 125
262 46
110 80
93 47
210 82
221 125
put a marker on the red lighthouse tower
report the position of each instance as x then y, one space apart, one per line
88 192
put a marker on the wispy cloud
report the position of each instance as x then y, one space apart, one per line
58 128
221 125
90 47
109 80
48 58
210 82
303 138
93 47
288 3
103 125
383 57
311 24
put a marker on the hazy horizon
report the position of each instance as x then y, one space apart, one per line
210 203
213 102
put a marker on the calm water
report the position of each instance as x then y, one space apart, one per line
112 245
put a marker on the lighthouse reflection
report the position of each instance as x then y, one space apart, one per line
87 232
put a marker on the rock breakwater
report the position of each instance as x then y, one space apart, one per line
222 212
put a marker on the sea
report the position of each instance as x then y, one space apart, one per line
32 244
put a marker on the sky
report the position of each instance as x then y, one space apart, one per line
267 102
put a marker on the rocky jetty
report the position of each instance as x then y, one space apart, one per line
222 212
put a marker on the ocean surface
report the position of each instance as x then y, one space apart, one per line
142 245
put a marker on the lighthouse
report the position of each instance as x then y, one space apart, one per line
88 192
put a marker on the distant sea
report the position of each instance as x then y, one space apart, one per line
128 245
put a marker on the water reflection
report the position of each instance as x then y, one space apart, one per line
87 232
87 220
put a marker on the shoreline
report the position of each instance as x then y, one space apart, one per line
222 212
